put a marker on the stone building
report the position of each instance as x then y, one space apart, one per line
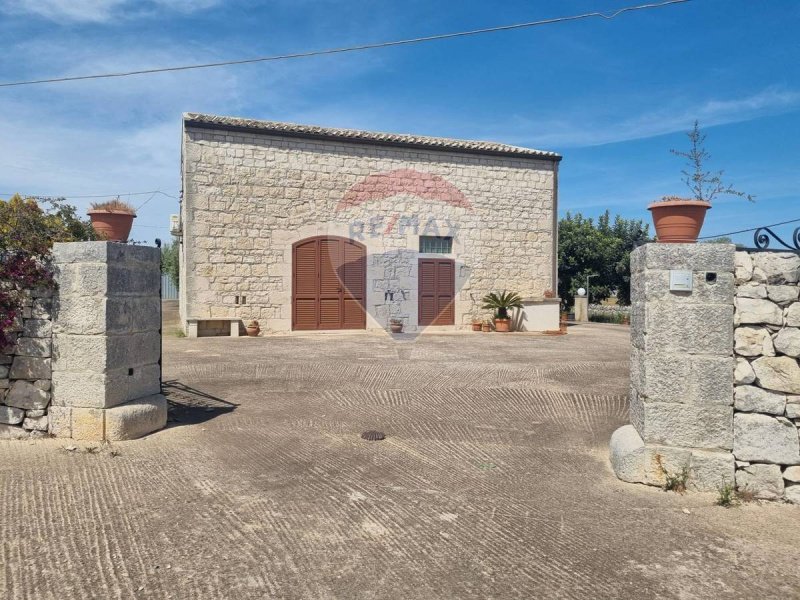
303 227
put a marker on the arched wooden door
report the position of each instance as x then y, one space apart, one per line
329 284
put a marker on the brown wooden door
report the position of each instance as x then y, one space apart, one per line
437 284
328 284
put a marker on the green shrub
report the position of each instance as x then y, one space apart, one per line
616 318
726 494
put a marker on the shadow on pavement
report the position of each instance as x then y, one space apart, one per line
189 406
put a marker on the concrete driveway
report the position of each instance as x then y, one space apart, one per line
493 482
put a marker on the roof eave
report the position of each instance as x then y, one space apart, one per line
199 124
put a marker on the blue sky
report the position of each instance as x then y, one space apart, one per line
612 96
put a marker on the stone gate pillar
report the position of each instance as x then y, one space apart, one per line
581 309
106 342
681 392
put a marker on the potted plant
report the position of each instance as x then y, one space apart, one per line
679 220
500 304
112 220
476 324
253 328
486 326
396 325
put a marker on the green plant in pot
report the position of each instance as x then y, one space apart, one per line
501 303
679 220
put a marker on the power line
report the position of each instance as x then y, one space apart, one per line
146 201
429 38
43 196
711 237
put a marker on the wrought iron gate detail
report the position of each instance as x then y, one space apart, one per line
764 236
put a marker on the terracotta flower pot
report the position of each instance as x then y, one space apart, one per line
486 327
502 325
678 221
476 326
396 327
253 330
113 225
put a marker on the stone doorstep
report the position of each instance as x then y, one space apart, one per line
128 421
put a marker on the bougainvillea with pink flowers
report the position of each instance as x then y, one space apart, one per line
27 234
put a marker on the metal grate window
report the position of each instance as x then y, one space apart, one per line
434 244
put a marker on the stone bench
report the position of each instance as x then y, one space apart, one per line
193 326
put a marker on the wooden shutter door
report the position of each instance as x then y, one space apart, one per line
330 287
445 292
427 291
329 284
354 277
305 309
436 280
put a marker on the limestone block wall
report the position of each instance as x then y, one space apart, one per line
106 342
681 394
247 197
715 377
766 419
25 370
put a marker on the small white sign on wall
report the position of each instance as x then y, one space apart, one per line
680 281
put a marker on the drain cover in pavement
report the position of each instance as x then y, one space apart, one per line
373 436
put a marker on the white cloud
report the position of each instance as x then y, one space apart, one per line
123 135
568 126
98 11
587 128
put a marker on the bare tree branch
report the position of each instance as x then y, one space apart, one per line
704 185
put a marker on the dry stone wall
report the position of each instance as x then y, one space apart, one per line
25 370
248 197
766 441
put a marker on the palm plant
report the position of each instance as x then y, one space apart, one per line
501 303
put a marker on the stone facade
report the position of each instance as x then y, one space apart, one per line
766 420
715 379
25 370
251 191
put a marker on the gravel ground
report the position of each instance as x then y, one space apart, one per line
493 482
